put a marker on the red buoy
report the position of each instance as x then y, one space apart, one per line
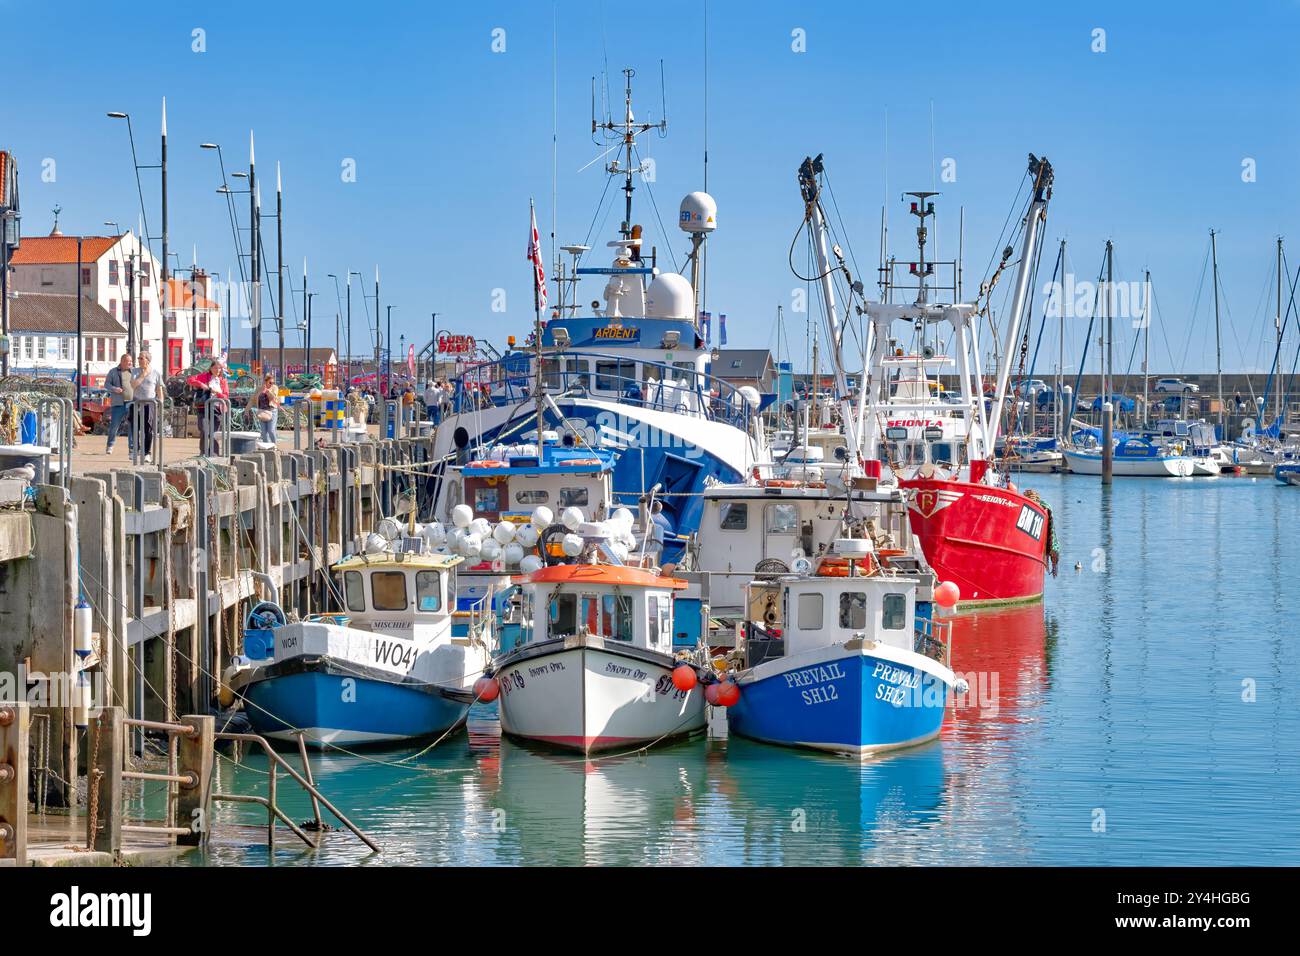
684 677
947 594
711 694
728 693
486 689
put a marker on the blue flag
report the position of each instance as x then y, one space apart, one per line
722 327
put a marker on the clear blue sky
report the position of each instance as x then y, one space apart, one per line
450 139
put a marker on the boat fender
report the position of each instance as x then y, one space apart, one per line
486 689
684 677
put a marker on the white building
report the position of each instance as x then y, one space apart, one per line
119 273
43 336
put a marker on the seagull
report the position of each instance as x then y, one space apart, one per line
26 472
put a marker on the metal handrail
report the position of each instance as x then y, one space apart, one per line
65 410
509 388
273 811
155 456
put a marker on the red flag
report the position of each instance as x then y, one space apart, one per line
535 257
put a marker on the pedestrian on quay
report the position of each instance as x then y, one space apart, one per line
118 384
146 387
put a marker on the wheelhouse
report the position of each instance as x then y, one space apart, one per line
619 605
404 595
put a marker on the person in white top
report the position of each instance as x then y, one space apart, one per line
146 384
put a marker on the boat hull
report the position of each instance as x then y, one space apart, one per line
854 701
991 542
332 705
1170 466
582 694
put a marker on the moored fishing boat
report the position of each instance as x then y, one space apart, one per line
842 661
387 670
595 670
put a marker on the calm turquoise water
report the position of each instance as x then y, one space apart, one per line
1120 732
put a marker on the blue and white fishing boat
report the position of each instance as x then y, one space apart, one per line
633 375
840 660
390 669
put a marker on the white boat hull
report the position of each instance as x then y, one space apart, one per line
589 695
1170 466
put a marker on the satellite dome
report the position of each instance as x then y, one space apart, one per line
699 213
669 297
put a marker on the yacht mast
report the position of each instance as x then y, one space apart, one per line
1146 349
1218 339
1277 360
1060 359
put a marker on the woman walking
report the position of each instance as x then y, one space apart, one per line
267 399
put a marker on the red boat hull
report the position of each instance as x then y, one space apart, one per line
991 542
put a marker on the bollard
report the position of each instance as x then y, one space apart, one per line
195 759
15 729
104 797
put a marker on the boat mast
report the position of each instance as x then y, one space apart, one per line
1146 351
1060 359
1041 170
1277 355
1218 340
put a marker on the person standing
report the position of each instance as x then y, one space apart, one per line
267 400
146 386
211 403
118 384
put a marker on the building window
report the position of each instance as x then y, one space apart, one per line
112 272
112 308
112 350
203 323
99 350
171 322
144 275
47 277
65 349
85 277
144 311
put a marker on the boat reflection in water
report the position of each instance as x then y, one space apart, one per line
1003 655
714 802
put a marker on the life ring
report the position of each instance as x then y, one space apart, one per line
779 483
839 567
487 464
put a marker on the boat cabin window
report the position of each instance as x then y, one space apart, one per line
733 516
853 610
660 619
428 591
782 519
573 497
614 376
893 615
616 616
941 453
388 590
564 615
533 496
810 611
354 590
487 499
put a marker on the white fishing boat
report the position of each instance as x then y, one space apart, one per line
594 671
387 669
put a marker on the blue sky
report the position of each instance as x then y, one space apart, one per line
450 139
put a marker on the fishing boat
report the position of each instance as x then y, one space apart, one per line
633 375
1133 457
594 672
975 527
841 660
387 670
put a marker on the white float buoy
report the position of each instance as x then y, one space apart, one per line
513 553
530 563
542 517
527 535
572 544
504 532
572 518
462 515
490 549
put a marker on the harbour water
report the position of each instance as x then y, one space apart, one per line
1144 714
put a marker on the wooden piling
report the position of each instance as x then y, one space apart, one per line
195 760
15 730
104 799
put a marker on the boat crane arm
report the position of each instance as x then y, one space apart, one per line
1041 170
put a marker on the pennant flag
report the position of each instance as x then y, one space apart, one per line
535 256
704 327
722 327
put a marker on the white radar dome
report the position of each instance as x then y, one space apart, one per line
699 213
669 297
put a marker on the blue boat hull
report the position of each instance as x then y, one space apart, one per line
362 711
855 704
